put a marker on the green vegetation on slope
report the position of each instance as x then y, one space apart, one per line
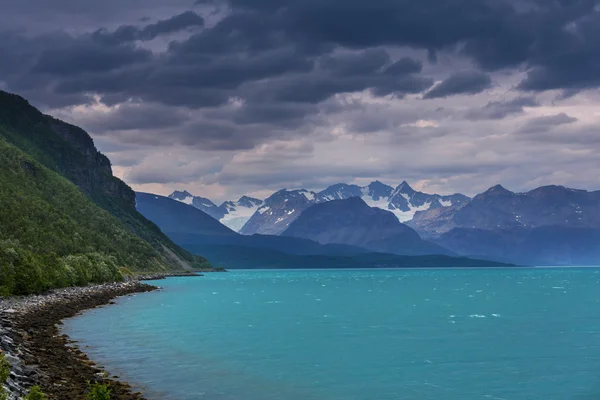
35 393
69 151
4 374
53 236
65 220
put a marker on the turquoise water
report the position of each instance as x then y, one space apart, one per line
515 334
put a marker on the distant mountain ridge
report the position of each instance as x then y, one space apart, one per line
351 221
278 211
549 225
499 208
233 214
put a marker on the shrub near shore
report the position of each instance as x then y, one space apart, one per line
4 374
24 272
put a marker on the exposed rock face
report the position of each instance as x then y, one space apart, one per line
201 203
351 221
500 209
433 222
278 212
90 169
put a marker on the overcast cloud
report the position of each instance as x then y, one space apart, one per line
230 97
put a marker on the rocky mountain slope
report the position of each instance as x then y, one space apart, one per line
278 211
550 225
351 221
499 208
201 203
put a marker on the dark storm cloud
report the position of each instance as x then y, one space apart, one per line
174 24
404 66
130 33
462 82
278 114
140 117
502 109
367 62
568 58
88 56
258 71
308 51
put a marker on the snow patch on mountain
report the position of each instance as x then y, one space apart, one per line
233 214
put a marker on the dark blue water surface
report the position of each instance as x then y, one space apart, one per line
473 334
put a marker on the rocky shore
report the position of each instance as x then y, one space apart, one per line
39 354
159 275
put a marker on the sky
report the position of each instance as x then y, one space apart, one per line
225 98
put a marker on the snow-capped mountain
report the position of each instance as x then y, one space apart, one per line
200 203
273 215
239 212
233 214
279 211
283 207
403 201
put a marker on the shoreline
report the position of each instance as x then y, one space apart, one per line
40 354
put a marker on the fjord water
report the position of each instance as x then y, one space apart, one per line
512 334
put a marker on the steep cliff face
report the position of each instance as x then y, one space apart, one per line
70 151
92 171
63 147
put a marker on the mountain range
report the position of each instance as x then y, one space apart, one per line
275 214
549 225
199 233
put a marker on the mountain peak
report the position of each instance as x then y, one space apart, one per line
377 184
352 222
378 190
497 190
249 202
404 187
180 194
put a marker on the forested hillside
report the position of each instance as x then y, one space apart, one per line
64 219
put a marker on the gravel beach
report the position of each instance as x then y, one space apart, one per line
40 355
